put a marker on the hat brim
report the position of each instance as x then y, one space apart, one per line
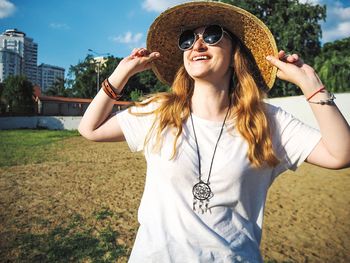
164 32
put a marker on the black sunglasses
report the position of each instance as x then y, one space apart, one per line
211 36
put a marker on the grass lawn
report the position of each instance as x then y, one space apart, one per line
66 199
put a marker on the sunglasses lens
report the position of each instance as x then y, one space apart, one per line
186 39
212 34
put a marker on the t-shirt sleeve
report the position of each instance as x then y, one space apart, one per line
293 140
136 127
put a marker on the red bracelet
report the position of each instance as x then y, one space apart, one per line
317 91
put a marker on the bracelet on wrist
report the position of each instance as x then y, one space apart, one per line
329 101
109 90
321 89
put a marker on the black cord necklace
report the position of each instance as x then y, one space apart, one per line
201 191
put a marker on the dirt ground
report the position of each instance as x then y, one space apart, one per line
306 217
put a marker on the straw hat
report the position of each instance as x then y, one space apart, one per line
164 32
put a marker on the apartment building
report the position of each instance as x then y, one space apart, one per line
18 55
48 75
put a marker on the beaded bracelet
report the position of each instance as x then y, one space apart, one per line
107 88
329 101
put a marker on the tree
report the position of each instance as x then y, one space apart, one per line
18 94
2 103
59 89
83 77
333 65
295 27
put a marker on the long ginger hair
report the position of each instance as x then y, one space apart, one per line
248 109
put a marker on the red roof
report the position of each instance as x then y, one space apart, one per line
72 100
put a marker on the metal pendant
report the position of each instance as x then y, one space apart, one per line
201 191
201 194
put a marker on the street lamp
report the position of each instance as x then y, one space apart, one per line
98 63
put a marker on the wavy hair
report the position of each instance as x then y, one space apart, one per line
248 109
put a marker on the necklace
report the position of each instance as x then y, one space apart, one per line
201 191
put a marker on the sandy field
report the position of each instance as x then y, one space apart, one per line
306 219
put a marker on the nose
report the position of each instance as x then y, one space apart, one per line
199 44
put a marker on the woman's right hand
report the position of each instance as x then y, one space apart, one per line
139 60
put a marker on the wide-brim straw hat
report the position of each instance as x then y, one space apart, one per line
164 32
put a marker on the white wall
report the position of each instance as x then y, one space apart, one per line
40 122
295 105
300 108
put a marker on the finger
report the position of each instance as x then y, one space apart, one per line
276 62
152 56
155 55
281 54
298 60
295 56
133 52
147 61
141 52
286 57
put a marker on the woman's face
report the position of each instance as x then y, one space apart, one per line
210 62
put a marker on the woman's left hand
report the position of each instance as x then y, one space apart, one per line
293 69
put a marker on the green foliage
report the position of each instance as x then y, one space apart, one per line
295 27
141 84
103 213
59 89
83 77
333 65
136 95
29 146
2 101
17 94
75 242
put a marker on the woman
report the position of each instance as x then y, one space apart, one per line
212 146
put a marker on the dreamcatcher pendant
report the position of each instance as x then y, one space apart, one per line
201 195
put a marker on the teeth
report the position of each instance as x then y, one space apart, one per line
199 58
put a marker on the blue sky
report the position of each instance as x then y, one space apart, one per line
66 29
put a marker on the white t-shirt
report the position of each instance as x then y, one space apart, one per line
170 231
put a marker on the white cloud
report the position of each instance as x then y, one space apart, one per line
313 2
160 5
339 31
59 26
6 8
337 25
128 38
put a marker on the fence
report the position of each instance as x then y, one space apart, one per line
295 105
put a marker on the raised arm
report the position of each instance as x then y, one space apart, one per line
97 124
333 151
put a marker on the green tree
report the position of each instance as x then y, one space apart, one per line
295 27
83 76
2 102
333 65
18 94
59 89
141 84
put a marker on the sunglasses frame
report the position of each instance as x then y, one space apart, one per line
197 35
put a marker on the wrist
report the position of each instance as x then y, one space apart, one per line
118 79
309 88
109 90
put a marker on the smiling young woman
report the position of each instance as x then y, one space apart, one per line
212 146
